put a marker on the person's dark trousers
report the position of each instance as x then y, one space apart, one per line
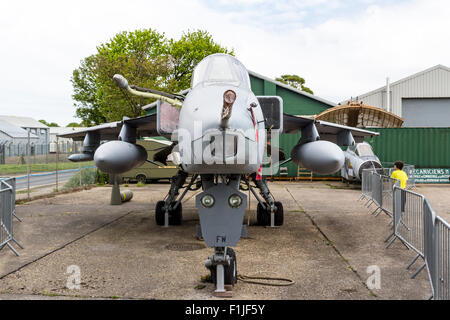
403 200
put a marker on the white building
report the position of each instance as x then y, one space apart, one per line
66 145
422 100
14 134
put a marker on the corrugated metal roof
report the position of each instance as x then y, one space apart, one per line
15 131
415 75
24 122
64 130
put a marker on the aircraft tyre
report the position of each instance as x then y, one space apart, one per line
230 272
279 214
159 213
262 216
175 216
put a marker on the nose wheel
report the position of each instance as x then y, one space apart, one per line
223 268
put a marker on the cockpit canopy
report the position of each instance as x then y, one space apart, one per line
364 149
220 68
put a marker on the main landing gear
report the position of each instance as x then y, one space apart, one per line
170 210
268 212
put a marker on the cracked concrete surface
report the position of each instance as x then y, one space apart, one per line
326 245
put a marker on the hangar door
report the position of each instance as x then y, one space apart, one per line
426 112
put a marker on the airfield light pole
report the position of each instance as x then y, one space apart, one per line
28 165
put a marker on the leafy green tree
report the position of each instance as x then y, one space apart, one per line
294 81
74 124
147 59
85 89
51 124
186 53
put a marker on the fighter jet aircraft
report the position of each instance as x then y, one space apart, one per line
358 158
219 131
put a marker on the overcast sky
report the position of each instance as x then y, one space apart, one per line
342 48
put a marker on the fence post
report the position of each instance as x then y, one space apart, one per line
57 158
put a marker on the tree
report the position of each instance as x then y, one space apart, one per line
85 92
51 124
186 53
73 124
147 59
294 81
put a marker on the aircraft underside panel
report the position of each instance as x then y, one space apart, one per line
221 224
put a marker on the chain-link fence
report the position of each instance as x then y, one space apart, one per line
43 169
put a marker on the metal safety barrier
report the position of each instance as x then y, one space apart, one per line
378 189
387 194
429 243
366 184
409 222
441 266
7 212
416 225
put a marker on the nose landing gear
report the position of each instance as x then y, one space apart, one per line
223 268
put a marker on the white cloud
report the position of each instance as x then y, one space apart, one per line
340 55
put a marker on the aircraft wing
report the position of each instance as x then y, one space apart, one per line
145 127
327 130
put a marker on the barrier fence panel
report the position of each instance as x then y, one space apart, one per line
429 245
376 189
442 267
366 184
415 225
387 194
7 211
409 221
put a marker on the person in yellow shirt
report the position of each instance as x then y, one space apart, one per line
401 175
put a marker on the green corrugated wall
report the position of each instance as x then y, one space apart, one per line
293 103
422 147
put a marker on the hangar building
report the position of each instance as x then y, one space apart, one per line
422 99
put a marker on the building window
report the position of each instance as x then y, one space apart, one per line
33 130
43 131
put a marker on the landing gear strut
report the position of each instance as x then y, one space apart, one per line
264 216
269 212
170 211
223 268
